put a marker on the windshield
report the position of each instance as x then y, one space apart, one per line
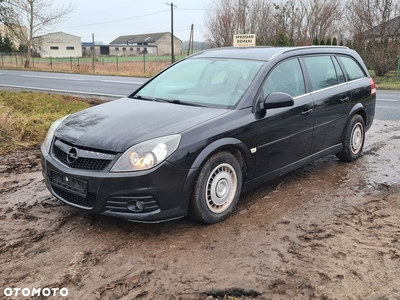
218 83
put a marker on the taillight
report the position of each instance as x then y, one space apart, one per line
373 87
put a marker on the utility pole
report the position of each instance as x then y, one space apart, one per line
172 31
190 48
93 52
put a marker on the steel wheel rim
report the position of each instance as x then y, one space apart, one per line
221 188
357 138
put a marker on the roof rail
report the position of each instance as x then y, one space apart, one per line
290 49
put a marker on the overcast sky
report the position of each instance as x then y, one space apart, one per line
111 19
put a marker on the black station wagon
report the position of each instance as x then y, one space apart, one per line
206 129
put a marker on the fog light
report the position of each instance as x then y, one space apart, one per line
139 205
135 206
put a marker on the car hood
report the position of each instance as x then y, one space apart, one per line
120 124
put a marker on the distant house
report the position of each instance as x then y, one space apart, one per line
149 43
389 29
57 44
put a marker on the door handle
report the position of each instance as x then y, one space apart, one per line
345 100
306 112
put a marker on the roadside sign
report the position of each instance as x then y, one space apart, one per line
244 40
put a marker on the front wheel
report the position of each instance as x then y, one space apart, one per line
353 140
217 189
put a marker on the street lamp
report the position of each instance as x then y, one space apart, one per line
172 31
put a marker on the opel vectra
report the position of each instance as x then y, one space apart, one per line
208 128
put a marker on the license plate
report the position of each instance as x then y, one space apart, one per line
69 183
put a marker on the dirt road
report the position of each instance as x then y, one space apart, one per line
330 230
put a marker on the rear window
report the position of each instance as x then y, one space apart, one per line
322 72
339 71
353 70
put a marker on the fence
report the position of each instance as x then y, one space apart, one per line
123 65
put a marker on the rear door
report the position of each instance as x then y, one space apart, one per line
360 85
332 96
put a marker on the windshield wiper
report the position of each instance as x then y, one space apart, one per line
168 101
175 101
143 98
162 100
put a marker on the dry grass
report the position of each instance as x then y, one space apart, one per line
26 116
126 68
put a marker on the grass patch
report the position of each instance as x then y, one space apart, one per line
25 117
105 65
388 82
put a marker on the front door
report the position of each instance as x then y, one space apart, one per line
284 135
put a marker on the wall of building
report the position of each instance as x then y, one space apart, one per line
5 32
58 45
161 47
164 45
129 50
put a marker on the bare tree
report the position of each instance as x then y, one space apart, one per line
221 23
376 32
299 20
225 18
263 21
322 16
27 18
305 20
288 19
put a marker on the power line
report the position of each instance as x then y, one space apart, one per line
191 8
119 20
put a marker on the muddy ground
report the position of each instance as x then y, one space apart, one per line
330 230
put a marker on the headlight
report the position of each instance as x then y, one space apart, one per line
50 133
148 154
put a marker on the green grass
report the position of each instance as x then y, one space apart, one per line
25 117
388 82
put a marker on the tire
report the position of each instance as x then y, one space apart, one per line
353 140
217 189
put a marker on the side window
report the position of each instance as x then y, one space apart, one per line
339 71
353 70
322 72
287 78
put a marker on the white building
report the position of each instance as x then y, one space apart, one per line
57 44
4 31
149 43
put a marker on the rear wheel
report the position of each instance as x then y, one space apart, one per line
217 189
353 140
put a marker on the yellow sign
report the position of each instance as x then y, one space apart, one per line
244 40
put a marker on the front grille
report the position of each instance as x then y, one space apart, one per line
86 160
75 199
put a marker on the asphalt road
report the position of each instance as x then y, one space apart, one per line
108 86
387 105
387 108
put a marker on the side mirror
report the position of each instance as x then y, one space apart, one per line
277 100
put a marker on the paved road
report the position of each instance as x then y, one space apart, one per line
109 86
388 104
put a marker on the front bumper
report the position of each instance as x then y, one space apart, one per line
154 195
